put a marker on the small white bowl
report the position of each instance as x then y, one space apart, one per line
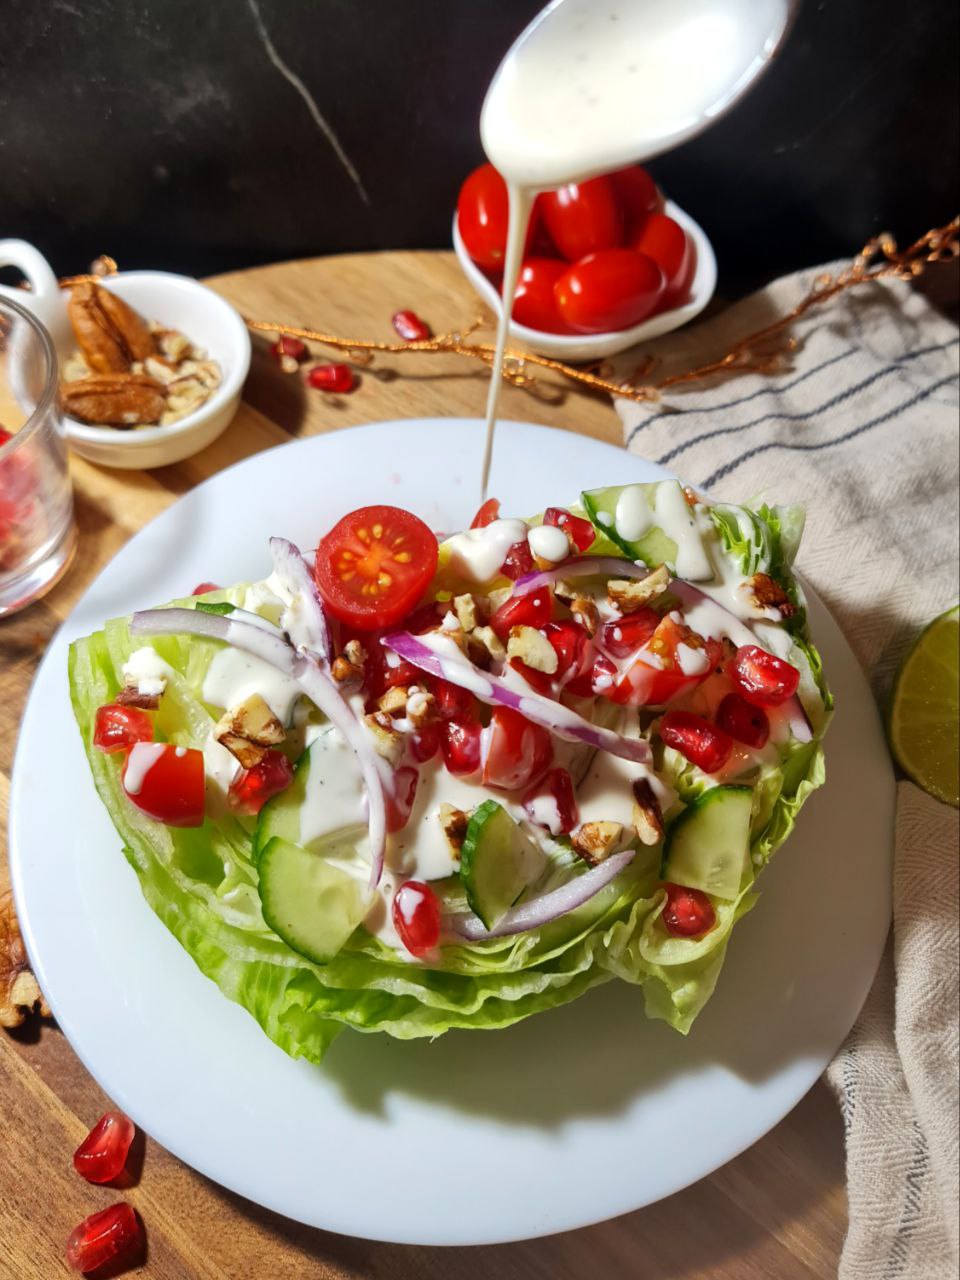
177 302
597 346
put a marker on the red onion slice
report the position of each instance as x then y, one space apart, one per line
304 621
491 689
583 567
549 907
312 679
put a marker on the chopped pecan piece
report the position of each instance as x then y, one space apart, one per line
109 333
631 594
768 594
347 667
248 730
421 707
130 696
486 641
393 702
114 399
454 823
647 817
19 990
465 607
387 742
533 648
595 841
585 612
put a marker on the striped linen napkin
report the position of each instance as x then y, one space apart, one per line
863 430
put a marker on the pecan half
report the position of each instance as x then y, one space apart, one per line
19 991
768 594
114 399
109 333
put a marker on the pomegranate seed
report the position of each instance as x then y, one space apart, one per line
252 788
288 348
762 677
552 803
579 530
202 588
743 721
489 512
626 635
103 1153
599 679
416 917
538 680
687 913
425 743
116 728
518 561
409 326
699 741
400 800
571 644
533 610
332 377
452 701
112 1233
460 743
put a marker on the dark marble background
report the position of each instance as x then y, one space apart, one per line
167 132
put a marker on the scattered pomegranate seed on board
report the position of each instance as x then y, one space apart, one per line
104 1237
410 327
102 1155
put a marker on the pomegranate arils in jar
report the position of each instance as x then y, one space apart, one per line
111 1234
410 327
416 917
102 1155
338 378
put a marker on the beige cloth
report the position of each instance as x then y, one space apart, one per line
863 430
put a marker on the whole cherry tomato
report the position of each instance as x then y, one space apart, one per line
483 212
534 303
638 196
583 217
666 242
610 290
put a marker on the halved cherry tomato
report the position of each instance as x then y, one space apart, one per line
666 242
535 303
583 217
252 788
518 752
743 721
102 1154
416 917
111 1234
762 677
399 799
637 194
698 740
551 803
581 531
489 512
625 636
116 727
609 290
166 782
460 743
532 610
687 913
517 561
374 565
483 212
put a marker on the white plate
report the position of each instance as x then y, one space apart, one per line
574 1115
598 346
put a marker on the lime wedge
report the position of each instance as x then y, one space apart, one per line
925 716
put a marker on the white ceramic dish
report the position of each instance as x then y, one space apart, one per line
387 1139
179 302
598 346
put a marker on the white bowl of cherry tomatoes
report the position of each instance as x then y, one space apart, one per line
607 263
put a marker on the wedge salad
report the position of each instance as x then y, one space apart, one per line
409 783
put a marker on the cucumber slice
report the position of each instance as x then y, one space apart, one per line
280 817
708 847
653 547
309 903
497 862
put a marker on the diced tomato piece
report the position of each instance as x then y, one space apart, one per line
687 913
580 530
533 610
166 782
538 680
425 743
701 742
571 644
460 743
551 803
104 1237
115 727
489 512
762 677
399 800
202 588
600 678
626 635
453 701
743 721
416 917
644 684
102 1154
517 751
518 561
252 788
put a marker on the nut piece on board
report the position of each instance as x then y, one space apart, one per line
109 333
117 399
19 992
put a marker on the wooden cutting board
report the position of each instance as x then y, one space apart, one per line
778 1212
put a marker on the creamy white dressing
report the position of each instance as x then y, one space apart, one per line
334 796
220 768
677 519
420 849
143 756
147 671
633 516
233 676
548 543
477 554
692 662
